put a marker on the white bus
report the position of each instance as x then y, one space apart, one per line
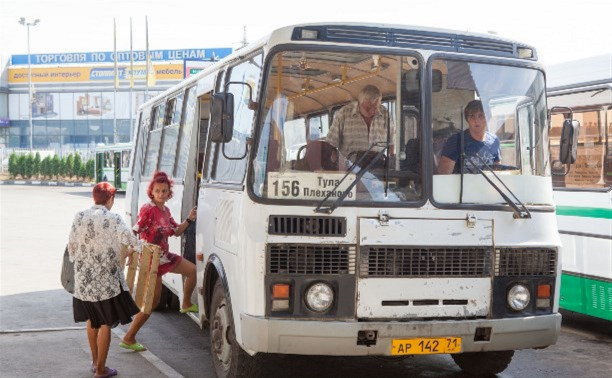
112 164
583 196
302 250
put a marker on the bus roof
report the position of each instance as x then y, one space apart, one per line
581 73
114 147
372 35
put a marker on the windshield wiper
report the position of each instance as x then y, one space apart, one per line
519 213
358 176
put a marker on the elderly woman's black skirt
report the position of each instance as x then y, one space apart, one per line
110 312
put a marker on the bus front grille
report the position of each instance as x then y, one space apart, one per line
310 259
389 261
525 262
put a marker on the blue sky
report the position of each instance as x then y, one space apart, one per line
561 30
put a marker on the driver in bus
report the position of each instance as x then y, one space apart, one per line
358 125
477 140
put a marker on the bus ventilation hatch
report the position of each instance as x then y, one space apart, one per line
306 225
413 38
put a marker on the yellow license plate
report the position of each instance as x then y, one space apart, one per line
437 345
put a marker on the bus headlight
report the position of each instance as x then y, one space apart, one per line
319 297
518 297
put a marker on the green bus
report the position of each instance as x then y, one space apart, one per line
112 163
583 194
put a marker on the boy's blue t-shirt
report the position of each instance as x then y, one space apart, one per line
489 150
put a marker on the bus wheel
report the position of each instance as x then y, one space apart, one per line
483 363
229 359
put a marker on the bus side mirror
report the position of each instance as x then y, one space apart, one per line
569 141
222 117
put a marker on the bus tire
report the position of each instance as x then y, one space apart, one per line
483 363
229 359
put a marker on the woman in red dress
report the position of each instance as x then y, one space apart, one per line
155 224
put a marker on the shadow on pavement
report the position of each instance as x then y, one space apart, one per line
37 310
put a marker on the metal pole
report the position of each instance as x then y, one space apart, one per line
131 83
30 89
116 79
148 60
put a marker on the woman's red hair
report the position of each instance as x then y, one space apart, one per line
160 178
102 192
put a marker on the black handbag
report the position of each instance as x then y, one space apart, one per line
67 276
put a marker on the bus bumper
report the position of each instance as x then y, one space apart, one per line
339 338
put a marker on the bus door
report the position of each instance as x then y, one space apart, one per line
193 178
117 168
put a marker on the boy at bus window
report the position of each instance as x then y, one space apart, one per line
358 125
477 140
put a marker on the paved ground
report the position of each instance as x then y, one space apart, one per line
38 335
39 338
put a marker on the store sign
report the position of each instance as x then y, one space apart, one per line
191 67
93 74
123 56
4 122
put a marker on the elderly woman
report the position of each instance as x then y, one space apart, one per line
101 296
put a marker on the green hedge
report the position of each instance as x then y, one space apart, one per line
27 166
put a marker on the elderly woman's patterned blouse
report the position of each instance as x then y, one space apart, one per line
94 245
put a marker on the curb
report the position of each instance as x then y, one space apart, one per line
45 183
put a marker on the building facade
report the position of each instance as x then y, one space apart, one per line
80 100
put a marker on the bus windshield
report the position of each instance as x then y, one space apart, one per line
491 118
329 116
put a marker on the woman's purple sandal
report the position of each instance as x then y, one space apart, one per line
110 372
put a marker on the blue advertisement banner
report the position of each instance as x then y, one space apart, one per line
123 56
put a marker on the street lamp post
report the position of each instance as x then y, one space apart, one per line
23 21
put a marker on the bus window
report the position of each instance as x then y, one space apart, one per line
177 109
160 116
295 138
248 71
309 94
185 133
108 159
137 138
608 161
125 158
318 126
170 134
588 171
152 152
204 143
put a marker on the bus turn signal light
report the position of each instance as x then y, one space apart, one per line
543 300
280 291
543 291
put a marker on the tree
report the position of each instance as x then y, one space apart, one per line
36 166
91 169
55 166
21 165
13 165
76 166
83 171
62 167
45 170
70 166
29 166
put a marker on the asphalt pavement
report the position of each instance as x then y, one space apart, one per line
38 335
